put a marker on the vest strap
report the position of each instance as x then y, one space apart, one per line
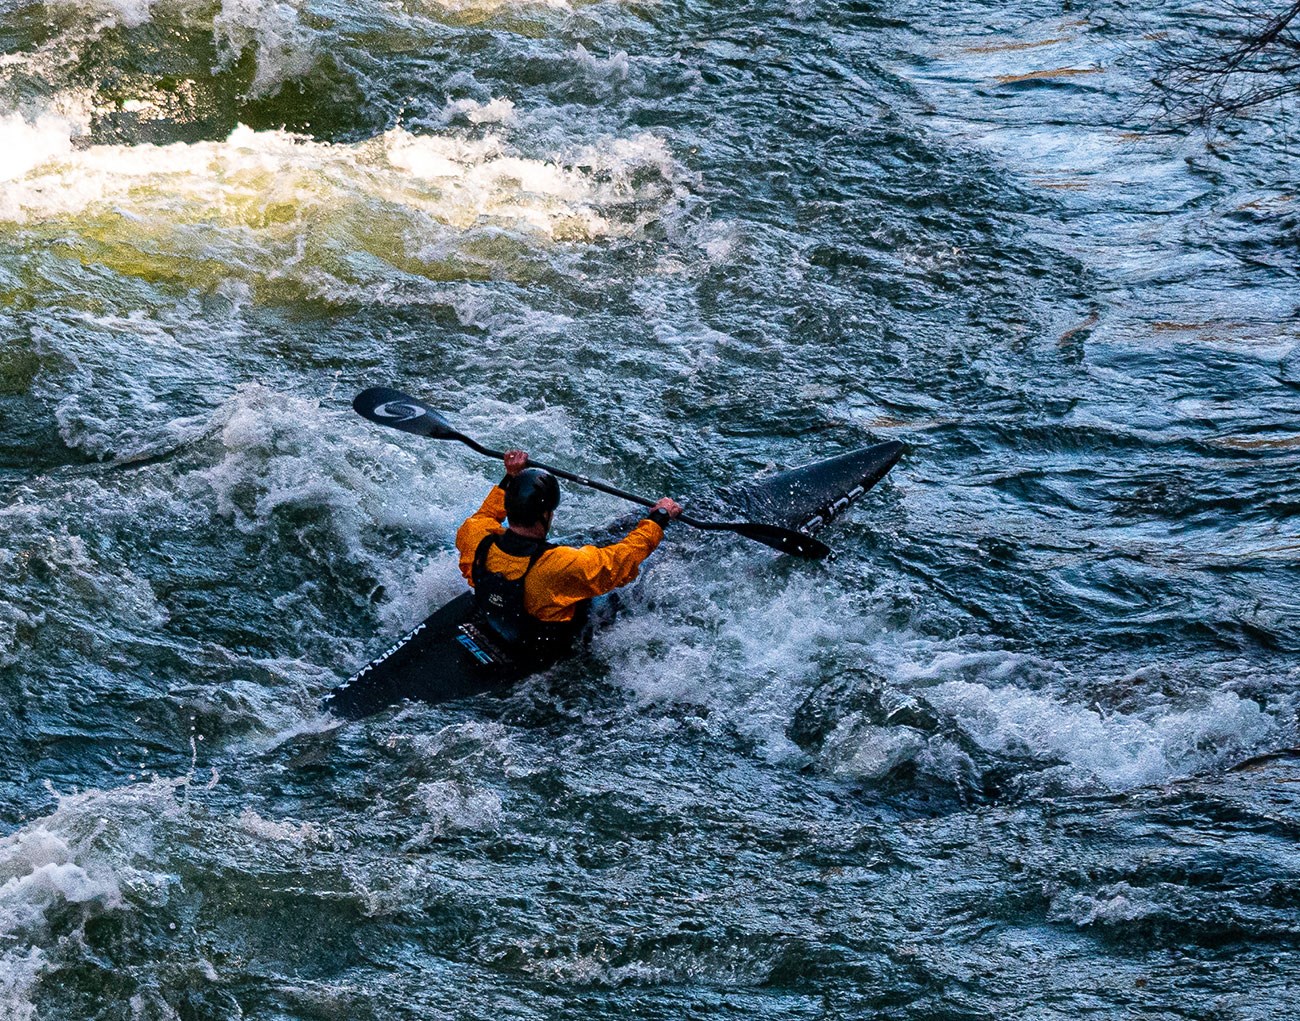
500 601
485 547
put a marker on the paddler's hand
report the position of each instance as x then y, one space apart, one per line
669 506
516 461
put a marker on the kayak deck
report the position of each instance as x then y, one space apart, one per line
429 663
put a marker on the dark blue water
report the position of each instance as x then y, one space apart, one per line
1023 749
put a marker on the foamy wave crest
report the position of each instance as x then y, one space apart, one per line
278 210
284 832
469 12
82 860
272 30
746 652
286 462
974 717
281 453
25 145
1117 750
285 48
458 808
1117 905
494 111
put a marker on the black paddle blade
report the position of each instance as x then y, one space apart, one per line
385 406
797 544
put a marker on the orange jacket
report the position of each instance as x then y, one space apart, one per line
564 576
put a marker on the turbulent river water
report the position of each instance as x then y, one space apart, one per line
1023 749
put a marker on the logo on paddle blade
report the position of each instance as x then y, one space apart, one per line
398 411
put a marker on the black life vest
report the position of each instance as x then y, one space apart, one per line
500 602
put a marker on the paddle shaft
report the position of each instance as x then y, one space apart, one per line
386 406
583 480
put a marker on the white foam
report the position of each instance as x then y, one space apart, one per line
437 582
752 649
57 872
720 241
24 900
270 207
615 67
303 834
1117 750
20 971
28 145
283 47
747 651
494 111
857 748
1118 904
281 452
458 808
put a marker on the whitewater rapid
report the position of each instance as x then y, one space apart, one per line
1024 748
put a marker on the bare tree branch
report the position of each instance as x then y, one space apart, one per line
1226 67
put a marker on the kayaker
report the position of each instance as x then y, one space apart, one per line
536 597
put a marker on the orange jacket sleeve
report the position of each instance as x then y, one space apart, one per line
478 526
567 575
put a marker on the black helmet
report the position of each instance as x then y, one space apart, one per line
530 495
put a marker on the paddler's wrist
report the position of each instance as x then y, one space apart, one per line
659 516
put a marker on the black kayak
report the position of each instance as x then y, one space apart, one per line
449 656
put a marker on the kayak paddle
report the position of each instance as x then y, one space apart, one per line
397 410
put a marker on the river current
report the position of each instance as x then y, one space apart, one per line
1023 749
